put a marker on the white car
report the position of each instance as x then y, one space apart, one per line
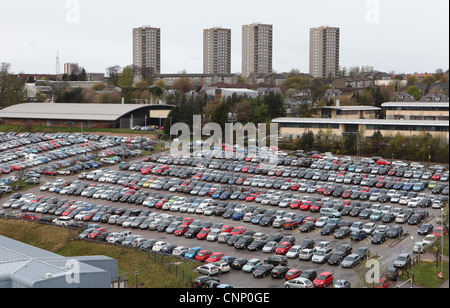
208 269
299 282
414 202
158 245
294 252
62 221
429 239
306 254
322 221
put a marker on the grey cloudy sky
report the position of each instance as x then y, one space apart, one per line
390 35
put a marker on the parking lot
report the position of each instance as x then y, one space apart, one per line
243 192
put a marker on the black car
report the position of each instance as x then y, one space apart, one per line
267 220
309 274
192 232
425 202
263 270
276 260
279 271
379 238
392 273
199 282
238 263
336 258
415 219
342 233
425 229
388 217
345 248
365 214
256 245
328 229
395 232
308 226
306 243
243 242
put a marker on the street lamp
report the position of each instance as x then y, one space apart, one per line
412 273
136 273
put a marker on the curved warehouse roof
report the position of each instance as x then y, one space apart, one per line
60 111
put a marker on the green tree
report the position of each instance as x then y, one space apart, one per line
415 92
412 80
126 78
350 143
12 88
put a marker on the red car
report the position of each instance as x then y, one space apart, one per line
383 162
215 257
283 248
293 273
347 193
439 231
251 197
238 230
203 234
296 204
382 284
181 230
436 177
50 172
187 221
93 235
290 224
227 228
203 255
316 206
306 205
295 186
30 216
323 280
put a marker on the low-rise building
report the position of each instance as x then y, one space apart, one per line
295 127
427 111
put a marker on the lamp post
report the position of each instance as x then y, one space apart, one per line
412 271
136 273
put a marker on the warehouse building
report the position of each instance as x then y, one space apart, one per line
84 115
26 266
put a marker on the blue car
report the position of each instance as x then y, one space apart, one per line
257 219
191 253
225 195
238 215
408 186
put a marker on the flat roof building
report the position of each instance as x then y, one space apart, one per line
83 115
26 266
428 111
294 127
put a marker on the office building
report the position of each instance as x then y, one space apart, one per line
147 51
324 52
217 51
257 48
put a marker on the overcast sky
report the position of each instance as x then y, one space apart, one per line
404 36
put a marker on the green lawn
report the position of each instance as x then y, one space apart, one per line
425 274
